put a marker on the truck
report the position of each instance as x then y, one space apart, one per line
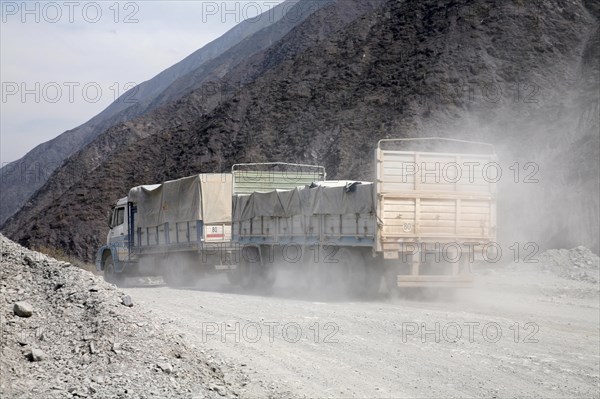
423 221
181 229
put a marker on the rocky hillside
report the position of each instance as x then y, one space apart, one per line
22 178
521 75
66 333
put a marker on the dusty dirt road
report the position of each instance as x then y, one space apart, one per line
516 334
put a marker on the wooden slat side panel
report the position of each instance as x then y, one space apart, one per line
246 182
405 171
425 196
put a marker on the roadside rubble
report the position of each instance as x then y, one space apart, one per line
578 263
66 333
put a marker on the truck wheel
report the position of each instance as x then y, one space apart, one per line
350 275
234 276
267 271
175 275
393 269
181 270
391 273
110 275
268 276
374 273
249 267
312 281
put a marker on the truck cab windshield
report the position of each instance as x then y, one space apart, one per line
119 216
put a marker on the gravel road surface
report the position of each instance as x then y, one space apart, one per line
518 333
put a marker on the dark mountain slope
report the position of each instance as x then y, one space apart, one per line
481 70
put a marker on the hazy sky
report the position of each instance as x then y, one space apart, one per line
63 62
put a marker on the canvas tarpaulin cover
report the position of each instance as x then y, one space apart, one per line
306 201
205 197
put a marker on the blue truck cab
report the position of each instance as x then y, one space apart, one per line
113 257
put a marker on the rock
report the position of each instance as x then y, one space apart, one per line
126 300
28 260
98 379
218 388
76 392
94 288
116 347
36 355
221 390
23 309
85 359
166 367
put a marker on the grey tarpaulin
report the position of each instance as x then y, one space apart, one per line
204 197
319 200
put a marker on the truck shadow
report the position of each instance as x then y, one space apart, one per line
287 289
143 282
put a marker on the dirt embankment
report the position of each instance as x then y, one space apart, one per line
66 333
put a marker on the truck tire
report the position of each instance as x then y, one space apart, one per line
349 274
175 275
374 274
249 268
391 272
181 270
110 275
268 276
267 272
254 273
234 276
311 279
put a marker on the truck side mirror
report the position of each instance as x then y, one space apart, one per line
109 218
